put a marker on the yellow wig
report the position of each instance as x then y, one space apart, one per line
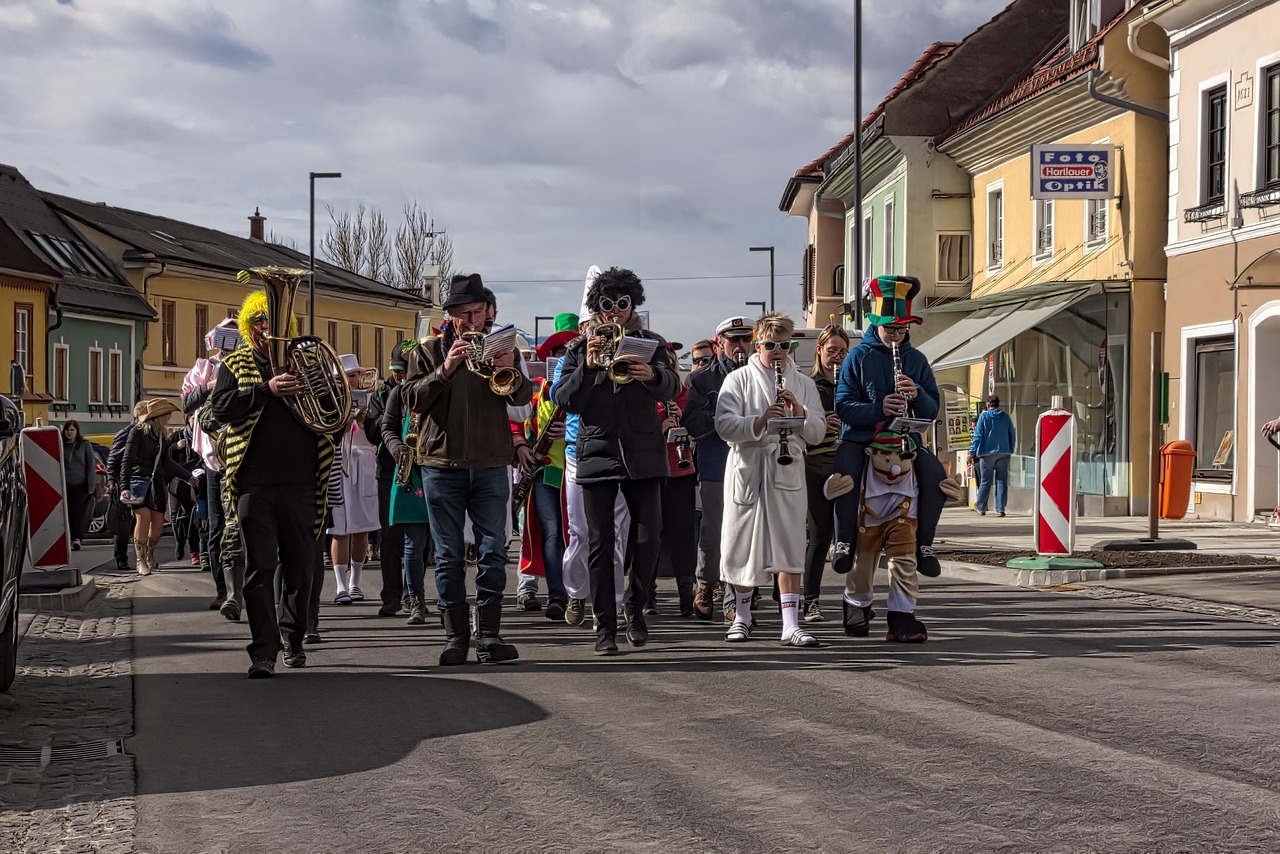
254 304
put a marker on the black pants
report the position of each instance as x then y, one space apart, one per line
391 551
216 524
851 458
822 525
121 546
78 499
679 527
317 584
277 522
644 501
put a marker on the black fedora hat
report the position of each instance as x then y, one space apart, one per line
465 288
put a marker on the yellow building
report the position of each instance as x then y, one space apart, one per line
1066 293
26 285
187 273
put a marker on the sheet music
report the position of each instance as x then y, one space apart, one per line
637 348
501 340
536 370
226 338
902 424
786 422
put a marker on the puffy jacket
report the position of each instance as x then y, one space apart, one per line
700 418
994 434
619 431
866 379
464 425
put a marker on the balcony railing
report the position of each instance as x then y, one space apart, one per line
1264 198
1044 241
1098 225
1206 213
997 254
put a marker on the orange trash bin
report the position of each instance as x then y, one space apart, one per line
1178 463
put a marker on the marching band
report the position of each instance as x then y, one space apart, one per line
606 467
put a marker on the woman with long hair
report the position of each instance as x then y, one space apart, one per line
80 465
832 347
145 473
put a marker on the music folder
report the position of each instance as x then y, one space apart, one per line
786 422
902 424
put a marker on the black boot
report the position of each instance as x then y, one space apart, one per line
842 558
457 635
686 589
857 621
905 628
490 647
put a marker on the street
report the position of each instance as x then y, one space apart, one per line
1030 721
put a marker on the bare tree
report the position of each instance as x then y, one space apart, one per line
281 240
362 244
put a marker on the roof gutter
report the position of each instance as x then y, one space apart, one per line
1092 76
1148 16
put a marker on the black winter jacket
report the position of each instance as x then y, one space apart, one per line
619 431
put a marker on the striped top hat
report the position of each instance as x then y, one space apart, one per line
891 300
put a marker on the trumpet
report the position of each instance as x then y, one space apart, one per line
502 381
616 368
409 453
784 447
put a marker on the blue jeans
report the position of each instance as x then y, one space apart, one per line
993 469
416 538
484 493
546 504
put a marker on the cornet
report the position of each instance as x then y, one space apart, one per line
612 333
502 381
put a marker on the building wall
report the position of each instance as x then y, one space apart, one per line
827 240
15 291
82 335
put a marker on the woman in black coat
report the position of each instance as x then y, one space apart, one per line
80 466
145 473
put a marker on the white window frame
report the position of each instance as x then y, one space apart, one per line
1264 65
22 352
1043 222
1089 242
1202 136
118 396
868 238
89 376
1084 21
1188 394
995 224
65 379
889 235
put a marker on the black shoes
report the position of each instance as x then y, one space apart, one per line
311 637
490 647
216 604
927 562
637 631
905 628
262 668
457 632
606 645
555 611
857 621
294 656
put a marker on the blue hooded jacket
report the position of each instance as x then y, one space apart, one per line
993 435
866 379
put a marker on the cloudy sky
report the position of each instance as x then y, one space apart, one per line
544 136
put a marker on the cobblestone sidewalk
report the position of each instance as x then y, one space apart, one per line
73 695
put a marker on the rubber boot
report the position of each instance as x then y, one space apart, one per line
490 647
857 621
140 549
457 635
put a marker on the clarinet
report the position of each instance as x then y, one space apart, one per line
784 449
683 443
897 372
739 361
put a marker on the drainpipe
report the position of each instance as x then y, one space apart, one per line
1093 76
1141 21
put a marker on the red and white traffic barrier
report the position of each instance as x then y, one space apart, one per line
46 497
1055 481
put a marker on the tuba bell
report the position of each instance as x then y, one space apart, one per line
502 381
323 402
616 368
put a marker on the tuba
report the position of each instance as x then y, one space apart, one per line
323 402
612 333
502 381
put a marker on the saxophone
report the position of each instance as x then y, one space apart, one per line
784 448
323 403
408 454
540 448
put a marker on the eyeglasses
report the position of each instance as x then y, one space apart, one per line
894 330
784 346
258 320
621 303
703 360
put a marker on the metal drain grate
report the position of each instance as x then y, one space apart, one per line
67 753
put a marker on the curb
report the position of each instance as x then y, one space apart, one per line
1054 577
67 599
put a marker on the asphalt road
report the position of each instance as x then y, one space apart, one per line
1030 721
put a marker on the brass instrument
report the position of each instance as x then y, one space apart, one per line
323 403
612 333
784 448
740 360
684 445
409 453
541 446
897 373
502 381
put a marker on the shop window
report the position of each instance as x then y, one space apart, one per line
1214 416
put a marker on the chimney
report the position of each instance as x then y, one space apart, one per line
255 225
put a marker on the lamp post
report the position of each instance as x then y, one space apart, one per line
537 339
311 257
757 302
859 232
772 305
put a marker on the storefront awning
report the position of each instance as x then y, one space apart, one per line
1013 319
962 331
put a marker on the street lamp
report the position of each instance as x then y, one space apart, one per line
757 302
772 305
311 257
537 339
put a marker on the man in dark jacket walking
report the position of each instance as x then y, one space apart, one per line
620 446
465 448
115 461
992 446
391 548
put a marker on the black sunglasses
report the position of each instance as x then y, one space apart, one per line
621 303
784 346
703 360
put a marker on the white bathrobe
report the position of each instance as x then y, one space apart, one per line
765 504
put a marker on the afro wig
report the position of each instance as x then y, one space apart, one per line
254 304
616 282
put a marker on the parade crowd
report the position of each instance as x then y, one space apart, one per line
741 481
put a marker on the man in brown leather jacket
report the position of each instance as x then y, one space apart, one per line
464 448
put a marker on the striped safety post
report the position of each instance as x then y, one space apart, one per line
46 497
1055 502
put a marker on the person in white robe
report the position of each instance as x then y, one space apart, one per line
765 502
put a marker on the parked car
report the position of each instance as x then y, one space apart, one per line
101 500
13 534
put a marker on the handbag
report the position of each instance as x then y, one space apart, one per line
139 488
